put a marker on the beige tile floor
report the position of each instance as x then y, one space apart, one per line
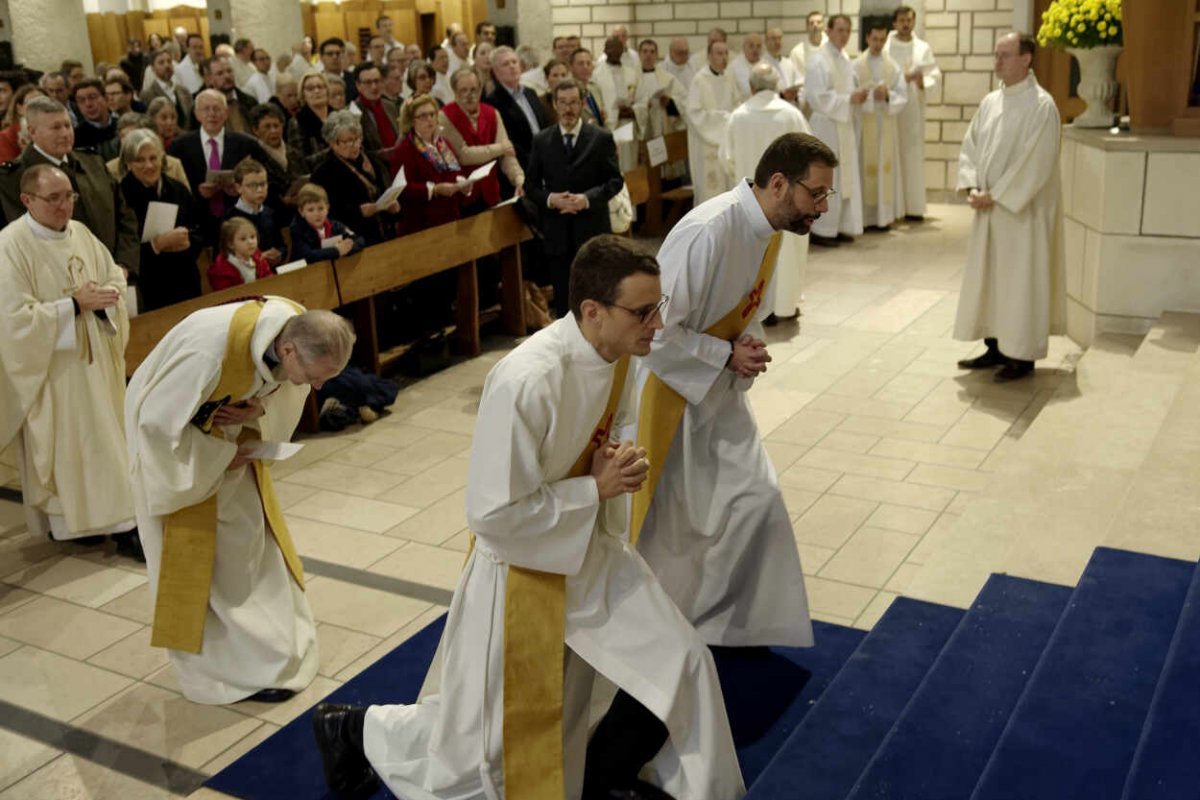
880 443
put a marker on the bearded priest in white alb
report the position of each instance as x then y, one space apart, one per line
711 520
64 326
226 581
883 189
1012 295
753 126
551 593
921 73
711 100
831 90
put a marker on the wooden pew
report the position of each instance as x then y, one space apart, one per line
637 181
677 150
313 286
455 245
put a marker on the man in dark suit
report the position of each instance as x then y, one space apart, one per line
519 107
572 174
217 73
213 147
101 206
377 114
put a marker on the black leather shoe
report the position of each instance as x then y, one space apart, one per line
640 791
822 241
914 217
1013 371
88 541
845 237
992 358
338 731
130 544
771 320
271 696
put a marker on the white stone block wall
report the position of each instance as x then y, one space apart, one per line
961 32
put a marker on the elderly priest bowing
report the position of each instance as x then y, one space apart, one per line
227 582
64 326
1013 283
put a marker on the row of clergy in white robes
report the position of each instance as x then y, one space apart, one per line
879 144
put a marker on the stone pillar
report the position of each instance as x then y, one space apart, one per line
45 32
5 22
220 18
532 19
274 25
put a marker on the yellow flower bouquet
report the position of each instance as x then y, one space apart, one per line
1081 23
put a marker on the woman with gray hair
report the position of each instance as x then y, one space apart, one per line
168 272
354 180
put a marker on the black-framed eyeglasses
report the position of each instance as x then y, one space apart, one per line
645 313
819 194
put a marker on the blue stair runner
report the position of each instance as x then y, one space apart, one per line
1075 728
1167 763
836 739
941 743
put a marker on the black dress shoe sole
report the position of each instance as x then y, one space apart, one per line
822 241
348 773
985 361
271 696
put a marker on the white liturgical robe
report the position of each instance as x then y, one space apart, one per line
259 631
1013 281
752 127
829 82
711 100
540 406
652 116
62 380
883 190
717 533
683 72
911 55
803 52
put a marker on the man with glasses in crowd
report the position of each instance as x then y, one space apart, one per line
64 324
711 520
332 63
376 113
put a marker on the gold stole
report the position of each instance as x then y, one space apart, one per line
190 534
875 163
535 618
661 407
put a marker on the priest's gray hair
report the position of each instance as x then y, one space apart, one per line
318 335
763 77
338 123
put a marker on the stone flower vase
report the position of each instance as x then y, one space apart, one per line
1097 84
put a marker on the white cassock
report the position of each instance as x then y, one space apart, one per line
187 75
829 82
653 120
457 63
879 148
682 72
1013 281
711 100
261 86
539 408
717 534
789 76
259 631
441 87
243 71
535 79
911 123
740 69
62 381
617 84
803 52
752 127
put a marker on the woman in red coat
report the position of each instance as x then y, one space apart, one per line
433 195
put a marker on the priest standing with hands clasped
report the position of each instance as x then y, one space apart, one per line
1013 283
915 57
62 368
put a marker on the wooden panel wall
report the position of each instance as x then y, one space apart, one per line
109 32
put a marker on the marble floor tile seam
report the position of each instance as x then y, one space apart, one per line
56 598
85 710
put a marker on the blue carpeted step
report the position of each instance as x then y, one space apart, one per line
941 743
836 739
1075 728
1166 766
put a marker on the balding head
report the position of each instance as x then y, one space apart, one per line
46 193
774 42
679 51
314 346
763 77
752 46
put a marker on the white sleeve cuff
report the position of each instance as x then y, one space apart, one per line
66 324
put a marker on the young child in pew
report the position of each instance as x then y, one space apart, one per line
239 259
312 226
250 178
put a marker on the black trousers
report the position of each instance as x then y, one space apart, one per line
626 739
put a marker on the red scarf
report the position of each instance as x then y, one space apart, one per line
387 133
485 134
